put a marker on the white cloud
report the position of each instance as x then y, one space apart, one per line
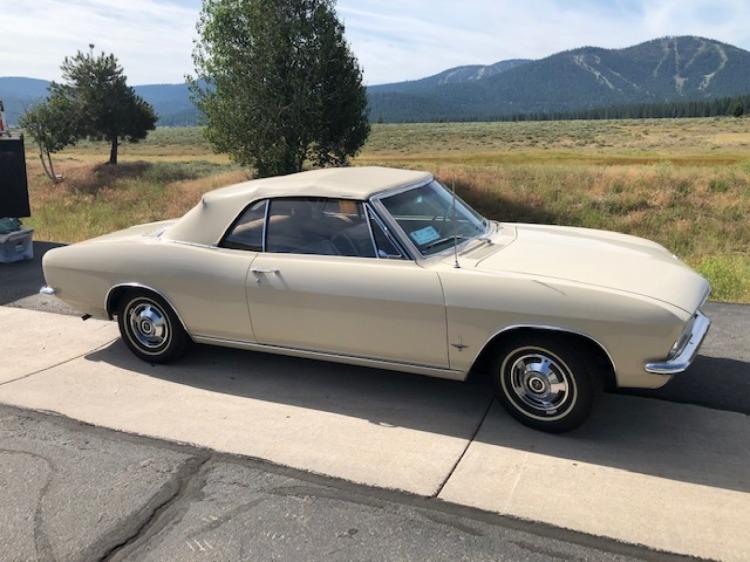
151 38
394 40
414 38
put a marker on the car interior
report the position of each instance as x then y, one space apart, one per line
330 227
301 225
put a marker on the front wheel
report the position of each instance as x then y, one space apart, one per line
545 381
150 328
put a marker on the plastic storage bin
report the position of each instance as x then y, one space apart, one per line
16 246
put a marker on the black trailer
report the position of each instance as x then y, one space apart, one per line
14 188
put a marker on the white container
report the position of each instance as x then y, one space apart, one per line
16 246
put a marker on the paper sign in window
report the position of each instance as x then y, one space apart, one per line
425 235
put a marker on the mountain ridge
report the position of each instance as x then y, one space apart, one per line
665 69
171 101
464 73
581 78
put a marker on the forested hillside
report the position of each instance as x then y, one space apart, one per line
672 76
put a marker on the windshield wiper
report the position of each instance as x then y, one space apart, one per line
443 241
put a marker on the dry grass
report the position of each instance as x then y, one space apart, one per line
683 183
645 140
97 198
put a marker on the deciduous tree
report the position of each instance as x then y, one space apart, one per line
278 85
51 126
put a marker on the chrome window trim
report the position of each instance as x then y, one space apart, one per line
365 210
403 237
396 243
391 225
363 205
234 222
264 234
196 244
401 188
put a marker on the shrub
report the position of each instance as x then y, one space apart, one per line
729 276
718 186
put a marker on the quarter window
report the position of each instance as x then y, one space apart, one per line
247 231
328 227
384 244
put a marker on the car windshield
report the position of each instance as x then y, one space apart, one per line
426 215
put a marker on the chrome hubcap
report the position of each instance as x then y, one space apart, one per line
540 382
148 324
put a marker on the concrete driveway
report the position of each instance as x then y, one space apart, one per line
668 471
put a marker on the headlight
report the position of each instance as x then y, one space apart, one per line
683 340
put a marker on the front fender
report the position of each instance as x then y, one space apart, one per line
631 329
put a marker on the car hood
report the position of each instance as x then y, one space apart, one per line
599 258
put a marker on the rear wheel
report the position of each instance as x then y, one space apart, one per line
150 328
545 381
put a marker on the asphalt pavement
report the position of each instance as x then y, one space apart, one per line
20 283
71 491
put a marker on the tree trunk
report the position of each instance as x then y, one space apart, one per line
113 152
55 178
44 165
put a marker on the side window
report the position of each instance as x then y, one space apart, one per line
383 243
247 231
328 227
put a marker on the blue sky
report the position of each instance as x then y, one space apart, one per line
394 40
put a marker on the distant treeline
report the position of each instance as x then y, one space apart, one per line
733 106
736 106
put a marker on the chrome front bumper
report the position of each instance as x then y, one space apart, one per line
682 361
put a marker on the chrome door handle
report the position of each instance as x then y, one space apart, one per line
259 270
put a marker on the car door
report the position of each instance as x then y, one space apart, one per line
323 284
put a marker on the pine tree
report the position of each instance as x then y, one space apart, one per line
103 106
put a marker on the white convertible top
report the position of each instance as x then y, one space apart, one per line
207 221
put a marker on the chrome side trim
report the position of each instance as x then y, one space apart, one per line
366 210
146 287
335 357
682 361
549 329
193 244
264 234
47 290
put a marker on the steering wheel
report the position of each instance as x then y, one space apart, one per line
344 245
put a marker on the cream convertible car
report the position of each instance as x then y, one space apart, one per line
384 268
